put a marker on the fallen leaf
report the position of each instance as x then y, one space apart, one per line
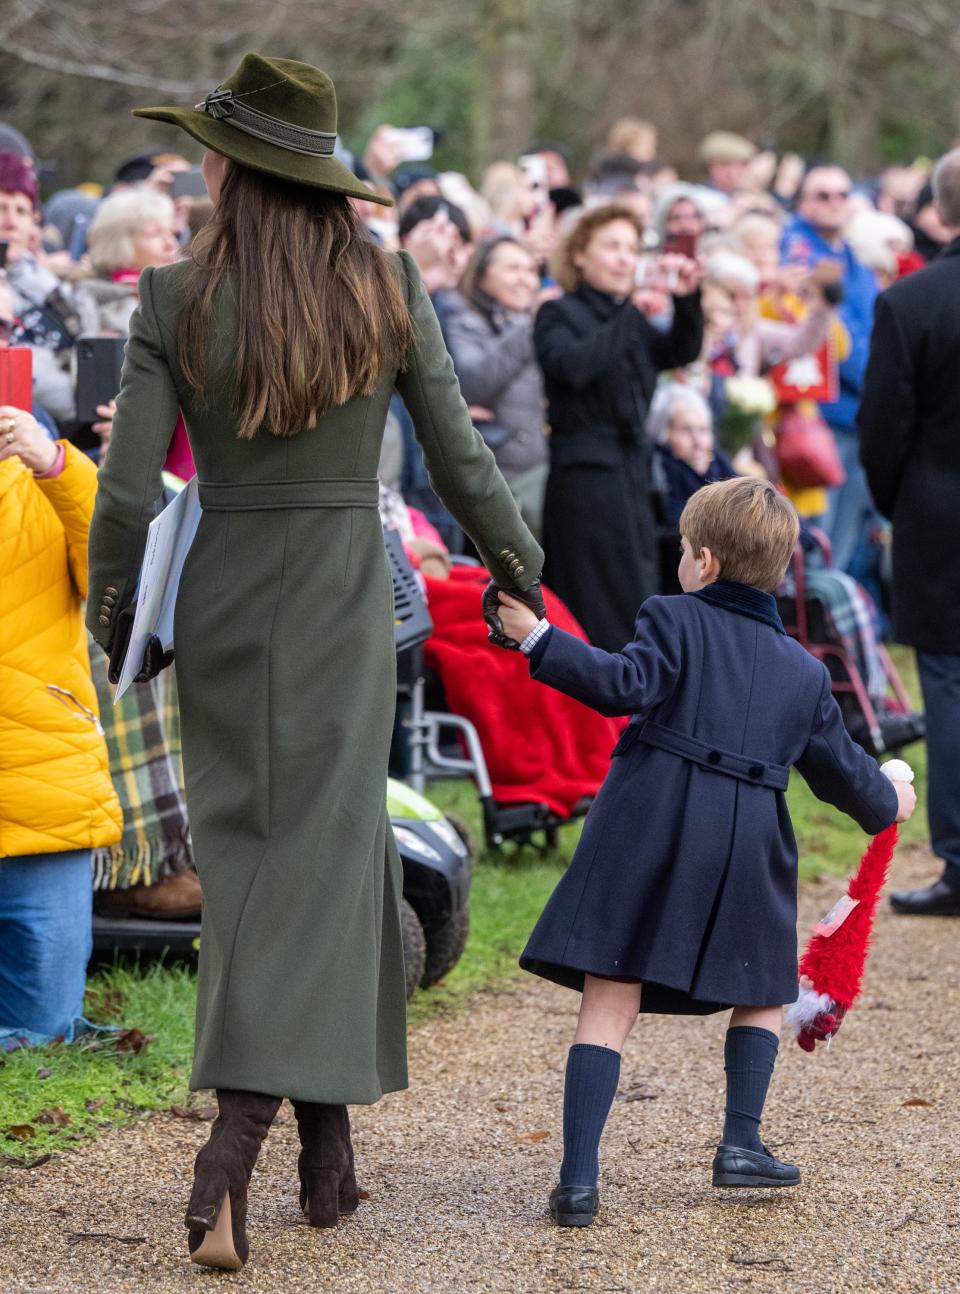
44 1073
540 1135
21 1132
501 1109
200 1112
54 1115
133 1040
363 1195
636 1094
92 1104
917 1100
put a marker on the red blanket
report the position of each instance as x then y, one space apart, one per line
539 745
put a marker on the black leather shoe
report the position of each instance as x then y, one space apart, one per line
937 900
574 1206
733 1166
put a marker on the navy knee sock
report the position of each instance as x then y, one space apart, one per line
588 1092
749 1056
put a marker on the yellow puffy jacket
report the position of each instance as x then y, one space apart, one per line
55 788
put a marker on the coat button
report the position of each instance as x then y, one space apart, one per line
714 757
104 620
519 570
109 599
111 590
105 611
755 771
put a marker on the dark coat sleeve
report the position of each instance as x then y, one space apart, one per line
461 468
576 361
130 480
840 772
683 341
614 683
887 417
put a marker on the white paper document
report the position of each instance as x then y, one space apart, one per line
168 541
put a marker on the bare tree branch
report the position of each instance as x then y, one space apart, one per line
100 72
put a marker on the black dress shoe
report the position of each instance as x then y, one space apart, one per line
574 1206
733 1166
937 900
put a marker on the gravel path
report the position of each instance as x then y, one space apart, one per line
458 1168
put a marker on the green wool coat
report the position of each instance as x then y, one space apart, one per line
286 670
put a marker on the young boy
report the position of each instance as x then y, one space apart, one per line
682 895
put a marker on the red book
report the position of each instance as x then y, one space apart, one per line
16 377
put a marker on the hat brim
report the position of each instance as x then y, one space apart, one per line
260 155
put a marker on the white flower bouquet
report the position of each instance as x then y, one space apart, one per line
748 401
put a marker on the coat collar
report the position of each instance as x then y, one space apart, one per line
952 248
744 600
602 304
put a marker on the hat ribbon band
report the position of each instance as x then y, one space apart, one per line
225 106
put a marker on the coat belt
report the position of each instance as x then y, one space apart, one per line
260 496
744 767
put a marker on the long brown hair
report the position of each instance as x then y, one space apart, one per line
321 307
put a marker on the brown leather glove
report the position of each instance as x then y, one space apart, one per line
490 604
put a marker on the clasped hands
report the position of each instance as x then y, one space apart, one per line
510 616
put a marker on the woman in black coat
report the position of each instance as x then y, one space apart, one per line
600 358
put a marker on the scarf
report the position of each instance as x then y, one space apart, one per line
143 742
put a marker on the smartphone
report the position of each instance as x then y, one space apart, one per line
681 245
650 273
99 361
414 143
188 184
3 255
534 167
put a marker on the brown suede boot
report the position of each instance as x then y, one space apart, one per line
175 898
328 1185
217 1212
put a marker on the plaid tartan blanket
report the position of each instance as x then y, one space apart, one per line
851 617
143 742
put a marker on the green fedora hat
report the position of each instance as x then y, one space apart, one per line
277 116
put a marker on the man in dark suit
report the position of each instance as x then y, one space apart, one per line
909 424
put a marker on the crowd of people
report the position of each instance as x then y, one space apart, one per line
621 337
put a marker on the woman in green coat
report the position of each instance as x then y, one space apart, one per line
282 338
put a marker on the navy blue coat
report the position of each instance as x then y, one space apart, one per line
686 873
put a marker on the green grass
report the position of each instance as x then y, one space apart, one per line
62 1095
509 892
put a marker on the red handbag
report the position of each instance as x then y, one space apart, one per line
807 451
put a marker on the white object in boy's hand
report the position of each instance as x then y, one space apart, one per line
898 770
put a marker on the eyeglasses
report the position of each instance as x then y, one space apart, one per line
830 195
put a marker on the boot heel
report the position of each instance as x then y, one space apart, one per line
210 1187
320 1196
214 1246
348 1199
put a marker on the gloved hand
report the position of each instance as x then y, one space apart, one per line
490 605
154 657
832 293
